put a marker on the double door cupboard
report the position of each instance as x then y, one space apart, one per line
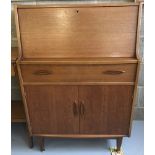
78 69
80 110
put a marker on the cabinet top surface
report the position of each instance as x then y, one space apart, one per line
72 5
77 31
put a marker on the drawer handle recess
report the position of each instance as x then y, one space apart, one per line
111 72
75 109
82 108
42 72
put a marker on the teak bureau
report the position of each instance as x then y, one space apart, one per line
78 69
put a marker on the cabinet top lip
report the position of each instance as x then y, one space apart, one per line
87 61
71 5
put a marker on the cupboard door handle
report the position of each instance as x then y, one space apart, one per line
112 72
42 72
75 109
82 108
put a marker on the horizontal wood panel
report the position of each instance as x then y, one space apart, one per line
14 54
12 70
78 32
84 5
139 0
78 83
89 61
80 135
17 112
79 73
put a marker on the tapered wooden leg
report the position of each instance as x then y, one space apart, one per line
41 143
30 139
119 143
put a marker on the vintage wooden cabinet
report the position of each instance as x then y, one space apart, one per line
78 68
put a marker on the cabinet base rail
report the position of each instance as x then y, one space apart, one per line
41 142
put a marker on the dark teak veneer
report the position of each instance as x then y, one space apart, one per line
78 68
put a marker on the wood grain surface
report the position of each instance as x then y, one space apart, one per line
107 109
51 109
78 32
79 73
78 68
17 112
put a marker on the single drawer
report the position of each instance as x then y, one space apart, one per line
78 73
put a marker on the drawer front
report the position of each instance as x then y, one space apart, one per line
78 73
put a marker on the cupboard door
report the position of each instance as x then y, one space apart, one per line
106 109
52 109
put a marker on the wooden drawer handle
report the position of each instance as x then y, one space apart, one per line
82 108
42 72
75 108
111 72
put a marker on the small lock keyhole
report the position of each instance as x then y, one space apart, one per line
77 11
